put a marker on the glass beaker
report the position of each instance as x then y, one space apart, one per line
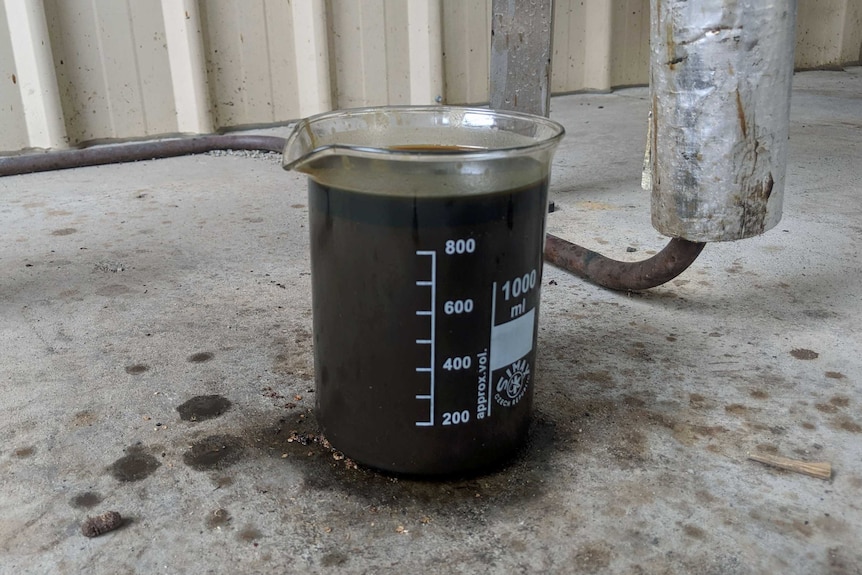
427 229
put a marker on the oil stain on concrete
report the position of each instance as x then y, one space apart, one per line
203 407
136 369
136 465
201 357
214 452
86 500
24 452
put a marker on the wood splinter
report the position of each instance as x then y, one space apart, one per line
820 470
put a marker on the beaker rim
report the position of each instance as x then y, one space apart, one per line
402 133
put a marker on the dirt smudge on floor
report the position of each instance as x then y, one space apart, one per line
804 354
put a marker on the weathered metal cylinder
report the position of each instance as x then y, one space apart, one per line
720 81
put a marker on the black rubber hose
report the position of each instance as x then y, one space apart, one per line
580 261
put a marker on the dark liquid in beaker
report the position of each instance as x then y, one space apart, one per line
425 314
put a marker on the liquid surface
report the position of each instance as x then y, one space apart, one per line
436 148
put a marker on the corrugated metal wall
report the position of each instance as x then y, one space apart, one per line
75 71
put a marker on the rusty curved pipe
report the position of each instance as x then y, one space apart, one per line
624 276
580 261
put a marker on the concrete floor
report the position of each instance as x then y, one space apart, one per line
128 290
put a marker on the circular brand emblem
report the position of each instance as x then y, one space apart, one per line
512 386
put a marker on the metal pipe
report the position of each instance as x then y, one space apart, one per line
134 152
720 81
624 276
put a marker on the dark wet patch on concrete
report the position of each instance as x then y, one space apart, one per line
64 232
136 369
24 451
249 534
297 442
849 425
203 407
136 465
334 559
214 452
735 408
201 357
86 500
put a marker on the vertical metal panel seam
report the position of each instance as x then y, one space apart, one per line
138 72
388 71
425 48
311 49
269 70
363 49
100 45
597 37
37 81
238 7
183 36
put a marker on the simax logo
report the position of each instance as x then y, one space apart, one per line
512 386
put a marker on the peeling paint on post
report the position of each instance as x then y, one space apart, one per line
720 76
